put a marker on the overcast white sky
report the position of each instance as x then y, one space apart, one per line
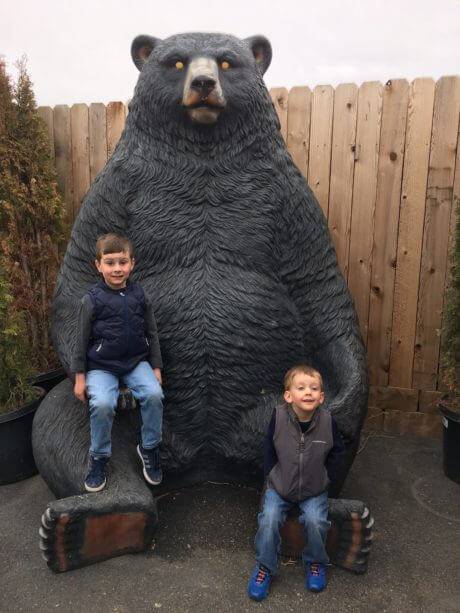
79 50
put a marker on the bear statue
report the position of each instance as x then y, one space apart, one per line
234 252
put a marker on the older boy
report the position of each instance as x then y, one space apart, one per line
302 452
117 341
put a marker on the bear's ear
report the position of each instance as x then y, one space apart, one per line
141 48
261 50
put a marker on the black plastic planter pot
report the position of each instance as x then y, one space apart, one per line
451 442
16 457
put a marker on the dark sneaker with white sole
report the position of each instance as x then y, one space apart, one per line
95 479
151 464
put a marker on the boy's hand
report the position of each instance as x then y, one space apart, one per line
157 372
79 388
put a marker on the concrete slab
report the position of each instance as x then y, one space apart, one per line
202 555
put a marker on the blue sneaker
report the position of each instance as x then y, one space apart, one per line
95 479
259 583
315 580
151 468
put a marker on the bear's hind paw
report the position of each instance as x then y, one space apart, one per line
351 534
72 536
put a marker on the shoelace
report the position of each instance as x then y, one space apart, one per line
148 460
314 569
148 455
261 575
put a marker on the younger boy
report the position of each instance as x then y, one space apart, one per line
117 341
302 453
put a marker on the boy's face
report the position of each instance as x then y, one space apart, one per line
305 395
115 268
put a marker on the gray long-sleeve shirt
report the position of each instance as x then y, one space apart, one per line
85 320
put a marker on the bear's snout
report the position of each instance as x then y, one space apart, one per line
203 97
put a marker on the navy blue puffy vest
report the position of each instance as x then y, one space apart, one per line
118 339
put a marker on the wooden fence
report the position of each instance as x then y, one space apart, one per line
382 162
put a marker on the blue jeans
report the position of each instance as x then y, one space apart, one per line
102 388
313 516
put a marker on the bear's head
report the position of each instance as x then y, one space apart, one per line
198 79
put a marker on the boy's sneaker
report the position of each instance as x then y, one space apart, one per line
315 580
259 583
151 464
95 479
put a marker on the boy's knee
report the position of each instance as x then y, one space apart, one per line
151 394
103 410
314 520
270 517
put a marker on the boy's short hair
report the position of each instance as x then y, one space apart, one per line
113 243
301 369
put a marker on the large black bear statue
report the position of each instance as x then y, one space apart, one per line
234 251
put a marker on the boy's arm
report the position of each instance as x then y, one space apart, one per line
270 456
335 456
78 364
152 336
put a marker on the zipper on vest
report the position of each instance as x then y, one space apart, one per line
301 450
125 316
100 346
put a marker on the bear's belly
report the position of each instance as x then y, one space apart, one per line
228 328
227 336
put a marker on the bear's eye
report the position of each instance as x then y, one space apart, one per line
179 65
225 65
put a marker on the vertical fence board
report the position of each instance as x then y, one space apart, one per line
384 251
279 96
116 117
63 155
79 122
97 139
410 233
319 165
436 231
46 113
342 170
298 127
364 195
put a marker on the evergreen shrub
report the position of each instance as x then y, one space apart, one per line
31 235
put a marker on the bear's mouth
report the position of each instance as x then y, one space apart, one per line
204 109
205 105
204 112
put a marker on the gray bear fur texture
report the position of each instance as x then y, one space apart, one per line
233 249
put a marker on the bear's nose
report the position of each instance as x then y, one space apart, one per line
203 84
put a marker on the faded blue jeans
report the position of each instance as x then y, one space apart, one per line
313 516
102 388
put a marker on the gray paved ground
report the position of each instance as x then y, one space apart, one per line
203 549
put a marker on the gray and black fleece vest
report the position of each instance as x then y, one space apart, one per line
118 337
300 471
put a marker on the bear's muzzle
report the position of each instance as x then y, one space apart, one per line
203 97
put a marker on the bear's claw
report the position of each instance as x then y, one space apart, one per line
352 524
